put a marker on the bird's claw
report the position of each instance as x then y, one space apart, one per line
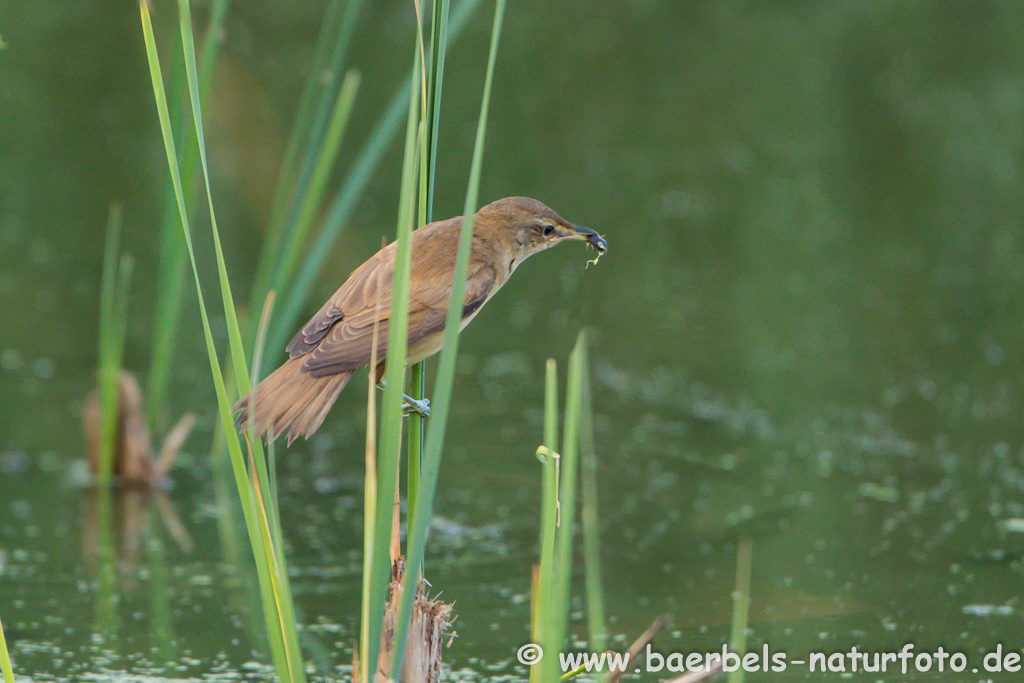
412 405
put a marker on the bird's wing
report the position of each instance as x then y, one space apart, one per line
357 293
346 340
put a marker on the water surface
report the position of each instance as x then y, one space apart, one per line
806 332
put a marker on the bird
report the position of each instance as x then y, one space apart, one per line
338 340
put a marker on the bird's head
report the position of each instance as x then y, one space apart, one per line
527 226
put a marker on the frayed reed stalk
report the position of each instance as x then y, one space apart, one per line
430 623
129 454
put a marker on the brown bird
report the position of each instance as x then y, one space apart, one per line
337 340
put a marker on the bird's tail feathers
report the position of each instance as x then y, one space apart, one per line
291 400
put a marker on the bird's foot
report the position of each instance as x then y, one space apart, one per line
412 405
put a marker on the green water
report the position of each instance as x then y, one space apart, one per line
807 332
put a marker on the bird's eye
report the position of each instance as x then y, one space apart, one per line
548 230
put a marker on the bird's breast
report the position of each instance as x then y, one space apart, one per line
427 346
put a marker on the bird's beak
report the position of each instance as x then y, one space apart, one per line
577 232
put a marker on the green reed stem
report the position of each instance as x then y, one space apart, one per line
5 658
548 454
389 452
113 327
414 454
741 603
314 188
432 78
307 133
589 516
273 578
173 259
555 609
434 445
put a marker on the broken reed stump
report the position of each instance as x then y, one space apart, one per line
139 473
134 461
132 448
431 622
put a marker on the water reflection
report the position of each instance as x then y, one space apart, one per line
131 519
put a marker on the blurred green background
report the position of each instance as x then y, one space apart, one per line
807 329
